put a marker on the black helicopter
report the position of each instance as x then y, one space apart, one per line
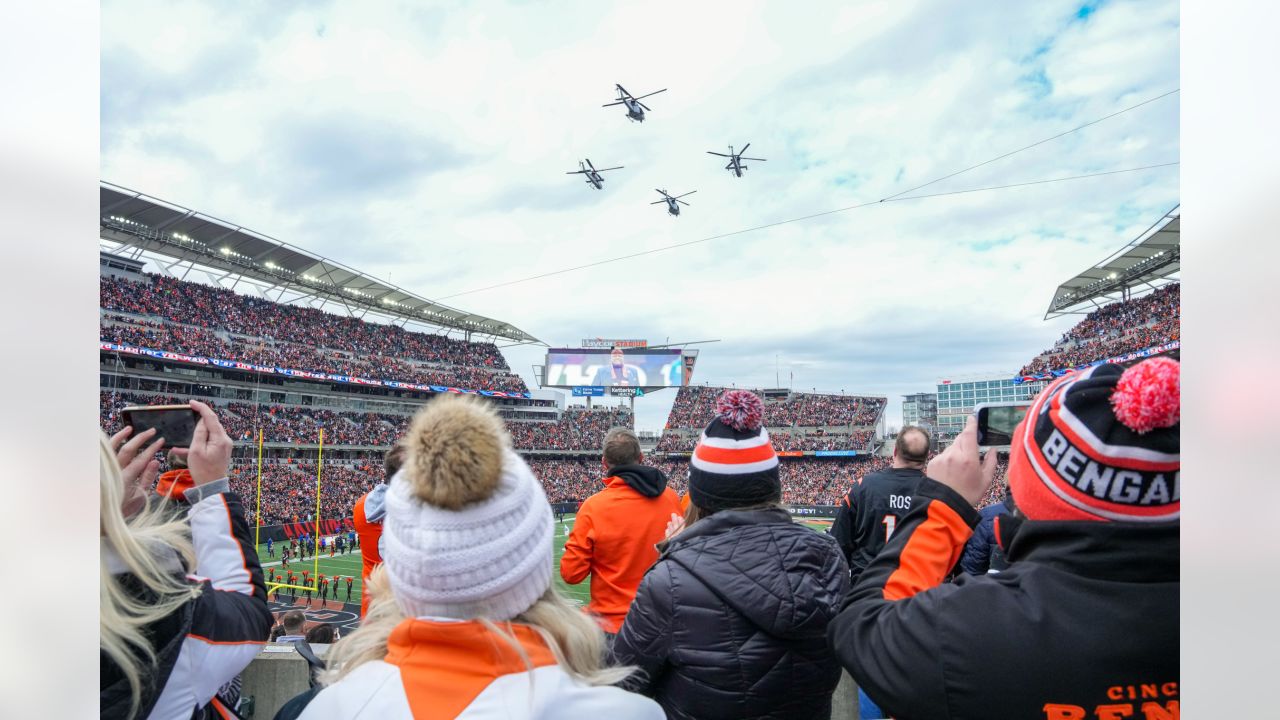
671 201
635 108
735 165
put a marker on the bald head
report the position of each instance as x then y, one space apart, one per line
911 449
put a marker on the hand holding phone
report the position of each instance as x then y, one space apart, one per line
959 466
210 455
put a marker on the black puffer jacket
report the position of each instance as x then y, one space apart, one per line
731 620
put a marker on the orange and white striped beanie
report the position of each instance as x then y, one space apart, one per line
734 464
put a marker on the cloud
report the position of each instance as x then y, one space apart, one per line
321 158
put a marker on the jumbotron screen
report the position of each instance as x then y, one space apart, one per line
634 367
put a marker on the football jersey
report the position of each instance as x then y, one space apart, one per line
869 513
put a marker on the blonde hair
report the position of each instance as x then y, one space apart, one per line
573 638
140 543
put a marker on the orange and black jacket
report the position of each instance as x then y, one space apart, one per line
1083 623
614 539
869 514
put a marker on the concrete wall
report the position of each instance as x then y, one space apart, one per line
274 678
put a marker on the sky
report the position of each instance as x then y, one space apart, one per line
427 144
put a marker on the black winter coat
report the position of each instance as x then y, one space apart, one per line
731 621
1082 624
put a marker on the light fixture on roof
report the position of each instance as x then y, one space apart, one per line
226 251
271 265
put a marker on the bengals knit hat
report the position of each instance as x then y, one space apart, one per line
468 528
1102 444
734 464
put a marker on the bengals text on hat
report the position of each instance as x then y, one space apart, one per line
1131 487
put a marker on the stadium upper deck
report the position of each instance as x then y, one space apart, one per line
799 422
1132 304
1149 323
183 241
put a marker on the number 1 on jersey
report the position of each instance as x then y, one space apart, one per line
889 522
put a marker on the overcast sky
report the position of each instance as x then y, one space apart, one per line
426 143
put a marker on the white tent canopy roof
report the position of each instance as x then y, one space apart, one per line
1146 263
149 226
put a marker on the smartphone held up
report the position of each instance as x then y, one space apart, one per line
996 422
176 424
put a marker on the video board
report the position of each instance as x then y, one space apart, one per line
628 367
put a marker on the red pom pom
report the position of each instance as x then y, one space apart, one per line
740 410
1149 395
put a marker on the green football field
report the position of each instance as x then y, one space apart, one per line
349 564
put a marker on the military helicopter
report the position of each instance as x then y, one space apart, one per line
593 175
635 108
672 207
735 165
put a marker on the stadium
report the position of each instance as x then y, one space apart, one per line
887 426
286 344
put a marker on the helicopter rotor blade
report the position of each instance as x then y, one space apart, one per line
655 92
684 203
658 202
593 167
612 104
756 159
646 107
624 91
576 172
716 153
688 193
744 148
608 169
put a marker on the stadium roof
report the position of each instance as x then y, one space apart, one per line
185 239
1147 261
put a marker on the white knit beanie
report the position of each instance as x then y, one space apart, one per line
468 528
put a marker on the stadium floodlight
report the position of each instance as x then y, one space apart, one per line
226 251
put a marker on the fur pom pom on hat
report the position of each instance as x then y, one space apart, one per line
1148 395
468 528
734 464
1102 444
740 410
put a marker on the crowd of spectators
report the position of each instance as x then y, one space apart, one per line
289 489
1114 330
999 486
806 481
695 406
289 486
783 441
576 429
216 308
189 340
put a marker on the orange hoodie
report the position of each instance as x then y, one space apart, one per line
369 532
613 541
